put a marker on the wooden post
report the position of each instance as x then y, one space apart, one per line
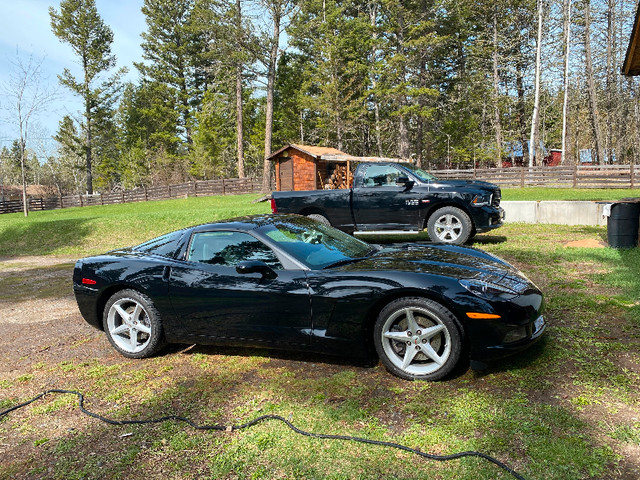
575 176
224 192
123 196
101 200
81 201
632 175
522 177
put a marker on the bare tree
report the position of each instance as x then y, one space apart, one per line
28 96
591 84
277 10
535 117
565 101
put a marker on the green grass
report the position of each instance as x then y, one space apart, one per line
543 193
566 409
88 230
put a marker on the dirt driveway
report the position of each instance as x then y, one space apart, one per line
39 319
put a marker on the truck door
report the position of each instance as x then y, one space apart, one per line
379 203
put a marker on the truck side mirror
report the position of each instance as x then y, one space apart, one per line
403 180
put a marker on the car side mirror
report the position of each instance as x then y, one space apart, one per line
403 180
255 266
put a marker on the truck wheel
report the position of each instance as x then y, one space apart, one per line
320 219
449 225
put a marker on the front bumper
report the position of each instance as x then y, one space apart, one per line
487 218
521 324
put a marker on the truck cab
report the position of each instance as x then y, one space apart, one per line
389 198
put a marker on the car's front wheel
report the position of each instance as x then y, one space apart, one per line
418 339
132 324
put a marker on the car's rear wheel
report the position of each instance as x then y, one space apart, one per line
418 339
449 225
132 324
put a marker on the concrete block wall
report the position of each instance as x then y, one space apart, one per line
557 212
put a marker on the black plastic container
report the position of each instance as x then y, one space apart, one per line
623 224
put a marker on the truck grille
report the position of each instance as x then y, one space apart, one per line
497 196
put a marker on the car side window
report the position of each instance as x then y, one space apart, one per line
381 176
228 248
166 245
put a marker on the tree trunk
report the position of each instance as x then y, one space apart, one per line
88 148
496 90
535 116
591 85
373 13
610 82
25 206
271 77
521 109
239 127
565 101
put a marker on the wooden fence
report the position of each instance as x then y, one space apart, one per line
200 188
606 176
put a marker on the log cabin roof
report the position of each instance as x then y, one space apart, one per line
631 65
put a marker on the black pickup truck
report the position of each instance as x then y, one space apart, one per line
391 198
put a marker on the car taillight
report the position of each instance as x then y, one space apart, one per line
274 209
88 281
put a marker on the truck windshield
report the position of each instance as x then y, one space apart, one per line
315 245
418 172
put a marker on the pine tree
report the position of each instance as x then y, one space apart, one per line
79 25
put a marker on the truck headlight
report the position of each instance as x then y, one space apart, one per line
482 200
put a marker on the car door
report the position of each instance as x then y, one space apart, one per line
381 204
215 302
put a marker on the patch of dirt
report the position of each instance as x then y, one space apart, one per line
587 243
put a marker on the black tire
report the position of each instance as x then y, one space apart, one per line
449 225
319 218
434 342
142 320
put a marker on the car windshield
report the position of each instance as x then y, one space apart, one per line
315 245
418 172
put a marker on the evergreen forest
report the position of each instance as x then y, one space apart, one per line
446 83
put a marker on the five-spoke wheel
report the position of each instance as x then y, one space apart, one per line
449 225
133 324
417 338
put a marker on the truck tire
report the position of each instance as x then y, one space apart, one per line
449 225
319 218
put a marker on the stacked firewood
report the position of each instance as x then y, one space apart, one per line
339 177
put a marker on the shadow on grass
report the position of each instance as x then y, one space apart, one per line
285 355
34 237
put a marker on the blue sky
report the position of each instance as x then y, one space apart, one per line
26 29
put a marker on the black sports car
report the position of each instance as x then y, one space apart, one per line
288 282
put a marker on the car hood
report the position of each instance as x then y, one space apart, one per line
465 184
444 260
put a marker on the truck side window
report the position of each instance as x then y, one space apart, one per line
380 176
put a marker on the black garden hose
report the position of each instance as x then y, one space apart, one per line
255 421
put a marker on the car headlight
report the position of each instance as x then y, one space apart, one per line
488 290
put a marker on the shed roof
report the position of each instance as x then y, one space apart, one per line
631 65
332 154
312 150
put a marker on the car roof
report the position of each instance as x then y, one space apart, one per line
244 224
